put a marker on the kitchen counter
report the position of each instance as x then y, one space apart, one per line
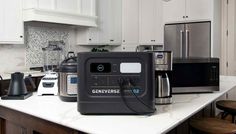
52 109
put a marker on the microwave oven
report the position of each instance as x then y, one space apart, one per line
195 75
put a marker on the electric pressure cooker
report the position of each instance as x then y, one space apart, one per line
68 78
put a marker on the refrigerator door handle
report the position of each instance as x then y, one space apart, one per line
181 43
187 44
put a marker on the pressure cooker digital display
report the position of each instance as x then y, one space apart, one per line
100 67
73 80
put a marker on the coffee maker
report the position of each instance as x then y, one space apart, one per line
163 69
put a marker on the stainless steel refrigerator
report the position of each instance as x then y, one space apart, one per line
188 39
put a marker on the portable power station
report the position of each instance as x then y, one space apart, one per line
116 83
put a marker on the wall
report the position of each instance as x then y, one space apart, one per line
30 54
37 37
12 57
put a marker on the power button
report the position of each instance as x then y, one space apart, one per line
100 68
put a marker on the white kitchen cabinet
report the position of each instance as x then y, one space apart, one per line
108 30
72 12
187 10
142 24
115 22
46 4
173 10
11 22
130 22
151 25
88 7
68 6
199 9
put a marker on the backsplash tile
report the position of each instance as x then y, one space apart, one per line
12 57
37 37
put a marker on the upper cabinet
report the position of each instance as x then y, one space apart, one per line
130 22
142 22
151 25
199 9
11 23
173 10
126 22
73 12
108 30
187 10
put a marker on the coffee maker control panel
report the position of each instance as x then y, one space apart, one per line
163 60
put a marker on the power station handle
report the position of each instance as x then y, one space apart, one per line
181 43
187 44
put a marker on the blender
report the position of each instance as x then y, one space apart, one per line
52 57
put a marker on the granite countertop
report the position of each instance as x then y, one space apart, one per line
51 108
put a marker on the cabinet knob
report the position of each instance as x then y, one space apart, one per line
123 40
90 39
186 16
21 36
183 16
111 40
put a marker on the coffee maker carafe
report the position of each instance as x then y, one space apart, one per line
163 69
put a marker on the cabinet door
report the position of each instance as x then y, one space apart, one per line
1 20
114 21
88 7
45 4
150 23
199 9
11 21
130 22
108 30
159 24
109 24
103 20
68 6
174 10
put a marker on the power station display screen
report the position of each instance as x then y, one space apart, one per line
100 67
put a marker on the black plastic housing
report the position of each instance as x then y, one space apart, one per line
90 101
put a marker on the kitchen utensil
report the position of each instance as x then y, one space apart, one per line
52 55
68 78
17 89
48 84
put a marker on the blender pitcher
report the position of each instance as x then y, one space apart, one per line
51 56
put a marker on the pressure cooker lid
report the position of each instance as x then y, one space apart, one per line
69 65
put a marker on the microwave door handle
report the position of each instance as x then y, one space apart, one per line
187 44
181 43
